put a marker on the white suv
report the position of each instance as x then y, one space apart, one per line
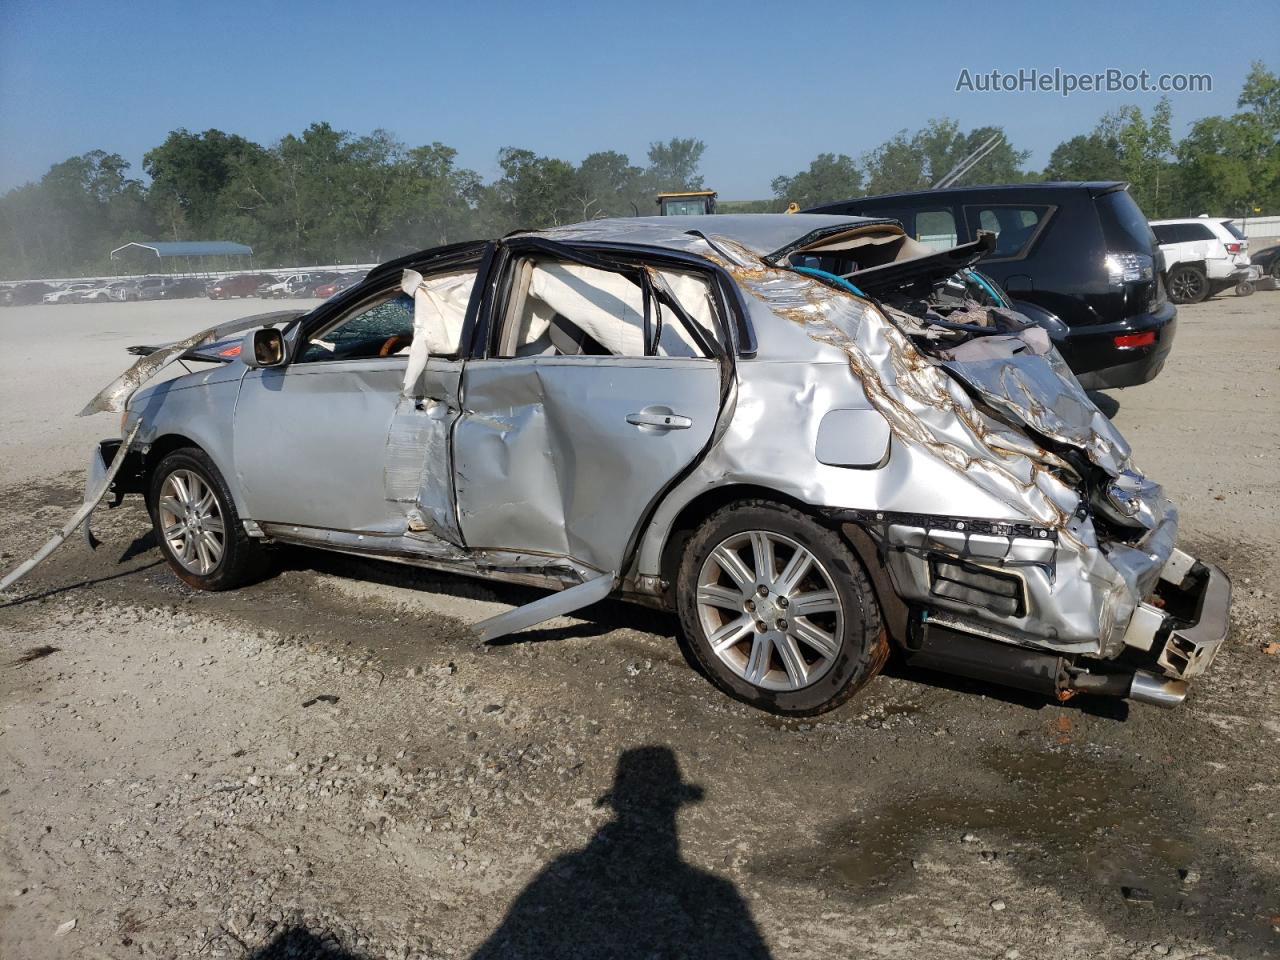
71 293
285 287
1202 255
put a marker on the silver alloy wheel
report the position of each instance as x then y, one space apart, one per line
769 610
191 521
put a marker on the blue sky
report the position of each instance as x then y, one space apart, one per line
767 86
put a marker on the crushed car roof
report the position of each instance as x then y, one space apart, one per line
761 233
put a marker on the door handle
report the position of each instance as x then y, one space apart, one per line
659 419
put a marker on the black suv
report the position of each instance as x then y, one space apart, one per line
1079 258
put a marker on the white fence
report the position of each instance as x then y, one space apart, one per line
1261 231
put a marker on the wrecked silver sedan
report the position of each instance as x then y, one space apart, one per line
809 436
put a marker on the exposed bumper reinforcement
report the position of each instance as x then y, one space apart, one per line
1189 629
1190 650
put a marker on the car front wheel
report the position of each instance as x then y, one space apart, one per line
196 523
778 610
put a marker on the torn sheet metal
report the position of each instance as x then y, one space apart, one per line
923 405
418 461
1025 378
115 396
544 608
91 500
922 395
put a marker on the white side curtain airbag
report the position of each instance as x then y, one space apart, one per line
610 308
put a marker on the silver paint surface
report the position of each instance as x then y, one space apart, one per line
546 459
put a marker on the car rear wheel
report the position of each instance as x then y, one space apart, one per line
197 526
1188 284
777 609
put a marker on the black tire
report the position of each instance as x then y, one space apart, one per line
1244 288
861 645
1188 284
1275 268
241 559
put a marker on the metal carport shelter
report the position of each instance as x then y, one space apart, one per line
192 255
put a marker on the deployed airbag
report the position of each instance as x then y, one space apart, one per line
439 309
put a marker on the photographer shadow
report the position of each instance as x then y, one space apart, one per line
628 893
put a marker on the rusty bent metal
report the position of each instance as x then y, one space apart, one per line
571 407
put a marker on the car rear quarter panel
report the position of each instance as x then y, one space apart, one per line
771 443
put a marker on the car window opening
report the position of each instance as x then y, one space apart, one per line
567 309
422 318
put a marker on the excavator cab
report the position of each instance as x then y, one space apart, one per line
688 204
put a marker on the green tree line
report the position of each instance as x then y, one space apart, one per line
329 196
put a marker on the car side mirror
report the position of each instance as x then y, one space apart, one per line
264 348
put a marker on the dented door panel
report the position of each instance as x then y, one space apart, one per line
547 461
327 445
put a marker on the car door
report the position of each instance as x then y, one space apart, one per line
331 441
587 405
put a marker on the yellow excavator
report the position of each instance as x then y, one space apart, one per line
698 202
690 203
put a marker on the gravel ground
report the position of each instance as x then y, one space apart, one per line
326 764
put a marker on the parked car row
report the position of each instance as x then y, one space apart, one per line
303 285
24 293
102 291
295 285
289 286
239 285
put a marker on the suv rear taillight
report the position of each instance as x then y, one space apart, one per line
1125 268
1233 248
1128 341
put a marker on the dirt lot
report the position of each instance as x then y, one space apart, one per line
326 764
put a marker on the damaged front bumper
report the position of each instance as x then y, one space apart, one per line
1049 610
128 479
1186 619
